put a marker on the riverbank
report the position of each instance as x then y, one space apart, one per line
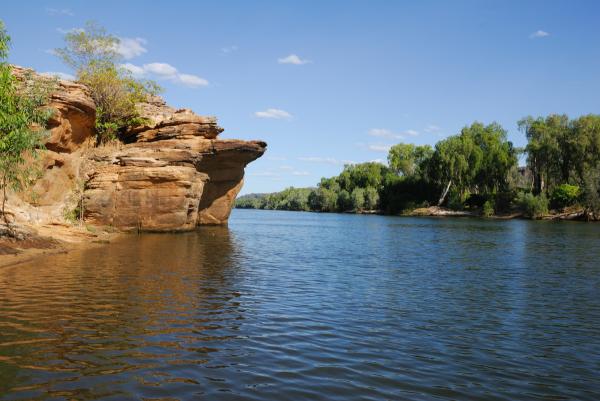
33 242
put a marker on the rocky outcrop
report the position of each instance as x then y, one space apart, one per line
170 174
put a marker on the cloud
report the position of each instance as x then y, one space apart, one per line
293 59
386 133
379 147
229 49
265 174
324 160
165 71
273 113
432 129
286 167
300 173
72 30
378 161
131 47
59 75
134 69
277 158
539 34
57 12
192 80
162 69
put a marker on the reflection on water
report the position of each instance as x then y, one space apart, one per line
293 306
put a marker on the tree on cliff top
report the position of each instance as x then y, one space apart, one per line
92 53
22 122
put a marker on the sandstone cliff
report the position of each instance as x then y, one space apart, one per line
171 174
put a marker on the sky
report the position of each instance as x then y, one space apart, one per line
326 83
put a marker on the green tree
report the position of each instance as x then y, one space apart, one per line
358 198
22 122
371 198
92 53
408 159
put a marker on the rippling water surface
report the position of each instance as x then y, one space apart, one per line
301 306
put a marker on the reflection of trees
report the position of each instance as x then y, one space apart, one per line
144 302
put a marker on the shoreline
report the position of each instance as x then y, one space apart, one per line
50 239
435 211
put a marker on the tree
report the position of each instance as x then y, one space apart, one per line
358 198
371 198
92 53
408 159
22 122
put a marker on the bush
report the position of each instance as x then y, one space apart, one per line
92 53
565 195
532 206
488 208
22 118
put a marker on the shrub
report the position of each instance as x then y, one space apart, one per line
565 195
92 53
532 206
488 208
22 118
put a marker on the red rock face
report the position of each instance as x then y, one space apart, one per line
171 174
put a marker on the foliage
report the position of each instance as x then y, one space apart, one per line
92 53
408 159
531 205
564 195
488 208
22 122
477 169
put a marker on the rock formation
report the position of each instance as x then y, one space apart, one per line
170 174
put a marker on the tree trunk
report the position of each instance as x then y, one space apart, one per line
445 193
8 229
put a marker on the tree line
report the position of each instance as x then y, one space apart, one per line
476 170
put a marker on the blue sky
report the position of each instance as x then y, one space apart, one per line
330 82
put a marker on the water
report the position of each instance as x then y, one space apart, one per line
302 306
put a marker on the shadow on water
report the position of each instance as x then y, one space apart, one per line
82 325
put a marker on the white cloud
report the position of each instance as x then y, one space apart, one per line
265 174
228 49
51 51
432 129
273 113
386 133
134 69
286 167
324 160
59 75
166 71
59 12
162 69
192 80
72 30
293 59
131 47
539 34
300 173
379 148
378 161
277 158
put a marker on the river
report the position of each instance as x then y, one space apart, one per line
305 306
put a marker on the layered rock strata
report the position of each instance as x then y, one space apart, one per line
170 174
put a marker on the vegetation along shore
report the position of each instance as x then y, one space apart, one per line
473 173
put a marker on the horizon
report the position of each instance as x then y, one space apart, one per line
340 82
